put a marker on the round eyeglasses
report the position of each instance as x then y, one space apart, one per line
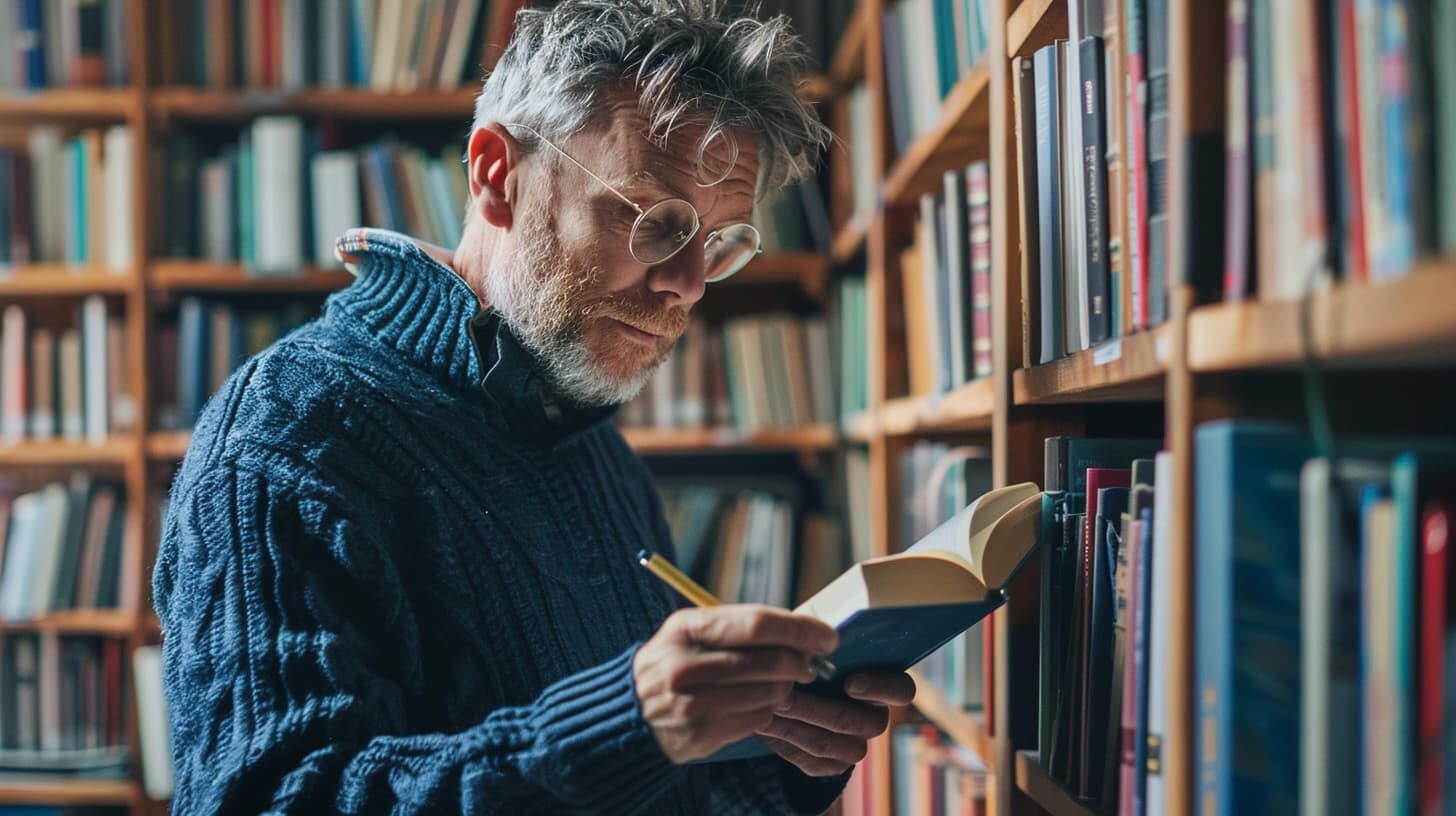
667 227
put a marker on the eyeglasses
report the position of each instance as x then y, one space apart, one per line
662 230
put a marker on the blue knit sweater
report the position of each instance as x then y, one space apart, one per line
395 578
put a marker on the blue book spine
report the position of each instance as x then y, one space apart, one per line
945 46
31 39
76 234
1398 251
192 359
361 40
1049 198
1247 616
1403 489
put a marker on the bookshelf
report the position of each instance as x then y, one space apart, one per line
1045 791
71 792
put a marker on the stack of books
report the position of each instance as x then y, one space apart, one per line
209 339
383 45
68 199
62 706
50 45
929 45
66 382
62 549
276 201
946 276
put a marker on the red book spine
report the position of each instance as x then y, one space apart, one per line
988 672
111 658
1435 569
1097 478
1356 259
1137 179
1238 178
268 9
1128 770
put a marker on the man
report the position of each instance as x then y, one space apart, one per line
397 573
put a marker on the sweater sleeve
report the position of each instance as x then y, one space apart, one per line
287 669
771 786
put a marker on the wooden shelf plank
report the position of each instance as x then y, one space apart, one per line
808 270
76 104
167 446
816 88
183 102
848 240
847 65
960 136
183 275
1129 369
862 427
1407 320
728 440
1045 791
114 451
18 790
965 408
64 280
965 727
1034 24
76 621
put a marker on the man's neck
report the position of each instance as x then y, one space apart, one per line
470 258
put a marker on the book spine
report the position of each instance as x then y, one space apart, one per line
1114 101
1048 198
1023 99
1135 93
1435 581
1398 251
1094 169
89 62
1238 220
30 42
1157 183
1357 262
978 189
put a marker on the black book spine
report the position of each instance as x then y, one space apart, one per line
1049 199
1094 171
1024 102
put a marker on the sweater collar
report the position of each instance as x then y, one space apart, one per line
424 310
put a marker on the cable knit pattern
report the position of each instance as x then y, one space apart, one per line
395 578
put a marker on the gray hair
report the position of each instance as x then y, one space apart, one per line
686 60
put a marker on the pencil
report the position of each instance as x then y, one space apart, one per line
693 591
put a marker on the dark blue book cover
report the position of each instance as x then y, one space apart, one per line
31 37
1049 198
1247 616
193 356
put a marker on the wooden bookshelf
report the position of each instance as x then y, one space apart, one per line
192 103
83 105
204 276
847 65
117 451
1045 791
1127 369
69 792
807 270
966 408
965 727
697 441
1403 321
848 241
959 137
1035 23
167 446
76 622
64 280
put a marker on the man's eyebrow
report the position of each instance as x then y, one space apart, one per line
645 177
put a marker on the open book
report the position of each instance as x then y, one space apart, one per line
891 612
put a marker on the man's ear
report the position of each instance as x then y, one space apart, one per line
492 158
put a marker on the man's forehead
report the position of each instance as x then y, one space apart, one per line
626 141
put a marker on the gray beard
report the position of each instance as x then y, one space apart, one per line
528 293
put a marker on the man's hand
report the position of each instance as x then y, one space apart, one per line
711 676
825 737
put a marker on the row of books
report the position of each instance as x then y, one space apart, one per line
746 546
69 199
1325 620
946 280
61 549
1340 147
66 383
929 45
764 371
209 339
275 200
62 709
50 44
384 45
1099 595
937 480
930 776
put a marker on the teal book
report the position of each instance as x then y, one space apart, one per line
1247 616
893 611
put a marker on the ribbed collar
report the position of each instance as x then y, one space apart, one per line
412 303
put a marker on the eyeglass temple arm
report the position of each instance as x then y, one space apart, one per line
583 167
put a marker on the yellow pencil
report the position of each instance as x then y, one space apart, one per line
693 591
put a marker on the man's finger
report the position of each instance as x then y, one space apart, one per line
880 687
815 740
808 763
711 667
738 625
838 716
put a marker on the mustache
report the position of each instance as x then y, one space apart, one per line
670 322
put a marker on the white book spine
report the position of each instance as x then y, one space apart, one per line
120 226
45 148
73 416
97 393
452 64
335 178
152 729
19 551
1155 798
51 513
12 355
277 154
